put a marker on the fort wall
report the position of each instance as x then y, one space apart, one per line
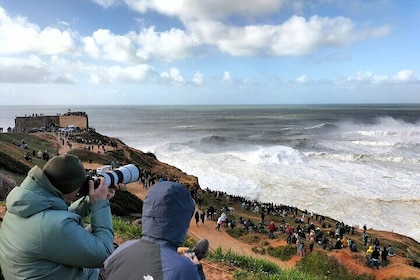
43 122
79 121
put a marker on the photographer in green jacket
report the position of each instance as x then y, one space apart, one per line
40 238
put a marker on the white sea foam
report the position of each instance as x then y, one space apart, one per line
356 188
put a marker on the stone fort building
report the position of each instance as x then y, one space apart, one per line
45 123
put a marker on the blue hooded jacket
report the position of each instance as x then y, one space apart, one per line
167 211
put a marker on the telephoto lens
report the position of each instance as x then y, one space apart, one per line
123 175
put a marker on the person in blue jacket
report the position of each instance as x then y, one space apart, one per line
41 239
167 211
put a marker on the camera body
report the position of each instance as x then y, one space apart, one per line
123 175
189 253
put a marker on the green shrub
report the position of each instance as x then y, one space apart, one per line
236 232
265 243
125 228
125 203
283 252
9 163
258 250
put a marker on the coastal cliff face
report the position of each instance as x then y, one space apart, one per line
13 162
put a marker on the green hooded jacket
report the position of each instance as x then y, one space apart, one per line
41 239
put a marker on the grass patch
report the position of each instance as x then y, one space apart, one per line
248 268
251 238
259 250
284 253
12 153
321 265
254 267
124 228
236 232
265 243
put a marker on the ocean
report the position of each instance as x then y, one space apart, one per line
359 164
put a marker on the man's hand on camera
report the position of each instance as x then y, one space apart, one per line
194 259
111 191
100 193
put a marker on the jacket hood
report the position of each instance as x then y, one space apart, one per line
167 211
34 195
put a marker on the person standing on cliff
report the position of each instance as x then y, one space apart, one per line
364 238
41 239
197 217
384 257
271 229
219 223
202 216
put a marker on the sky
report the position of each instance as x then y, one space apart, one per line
188 52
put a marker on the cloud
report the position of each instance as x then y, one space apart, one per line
215 9
169 45
17 35
67 79
405 76
301 79
105 45
227 76
31 70
173 76
206 22
198 79
369 78
106 3
117 74
37 71
145 46
295 37
206 25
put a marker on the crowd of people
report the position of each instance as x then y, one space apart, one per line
90 144
301 230
29 155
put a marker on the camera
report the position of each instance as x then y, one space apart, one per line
189 253
123 175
